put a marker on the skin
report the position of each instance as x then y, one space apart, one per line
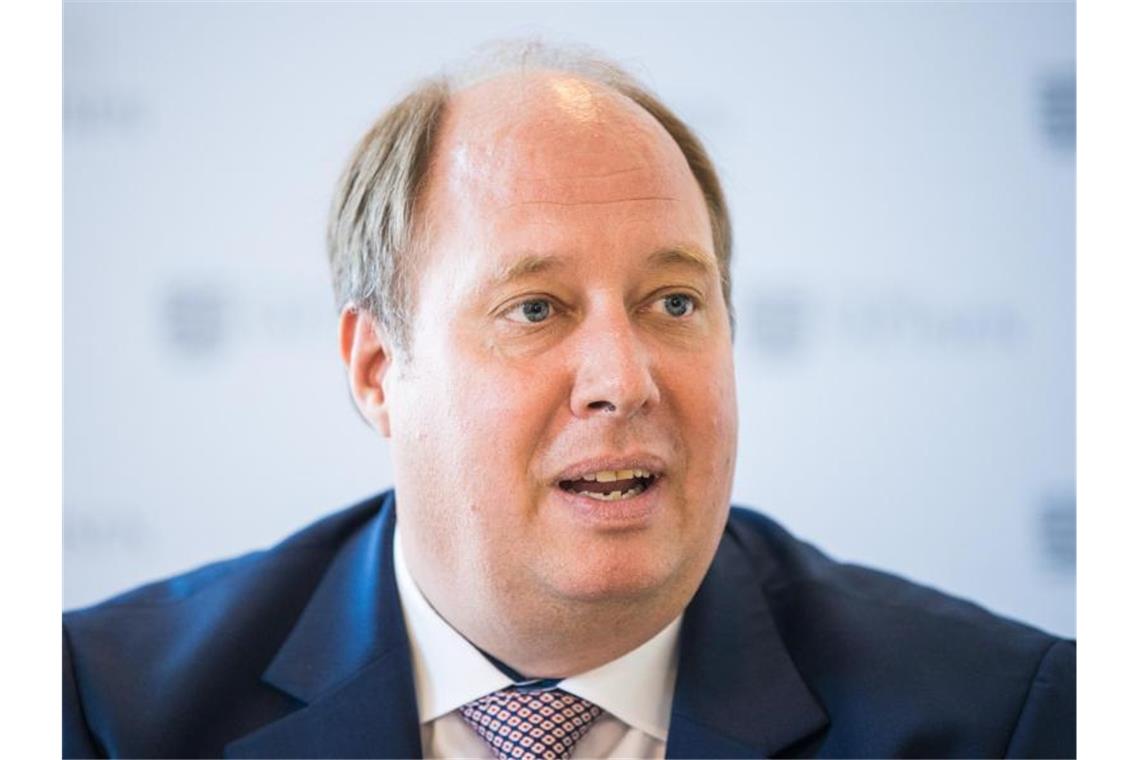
557 198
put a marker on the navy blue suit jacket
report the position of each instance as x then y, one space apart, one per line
301 651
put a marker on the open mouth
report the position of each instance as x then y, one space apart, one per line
610 485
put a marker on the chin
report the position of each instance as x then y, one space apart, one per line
616 572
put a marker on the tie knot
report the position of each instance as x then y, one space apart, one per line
520 725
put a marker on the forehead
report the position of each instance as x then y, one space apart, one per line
555 157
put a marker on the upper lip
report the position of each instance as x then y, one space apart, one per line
637 461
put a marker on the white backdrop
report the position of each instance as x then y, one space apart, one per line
902 183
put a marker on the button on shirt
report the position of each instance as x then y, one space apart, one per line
635 690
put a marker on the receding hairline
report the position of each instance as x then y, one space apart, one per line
537 93
553 79
451 125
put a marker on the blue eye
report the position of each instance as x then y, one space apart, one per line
534 310
678 304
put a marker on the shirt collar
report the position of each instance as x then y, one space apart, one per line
449 670
637 688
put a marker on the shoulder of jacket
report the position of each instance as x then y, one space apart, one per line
322 537
796 573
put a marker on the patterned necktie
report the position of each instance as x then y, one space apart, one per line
523 725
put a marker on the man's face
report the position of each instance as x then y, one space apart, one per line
569 330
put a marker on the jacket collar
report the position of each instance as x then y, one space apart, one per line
738 692
347 660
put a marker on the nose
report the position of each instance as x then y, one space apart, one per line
614 373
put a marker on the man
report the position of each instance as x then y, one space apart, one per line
533 268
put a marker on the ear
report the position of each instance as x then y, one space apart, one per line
367 355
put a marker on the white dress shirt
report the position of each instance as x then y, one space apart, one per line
635 690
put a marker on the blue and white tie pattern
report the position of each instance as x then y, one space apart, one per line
530 725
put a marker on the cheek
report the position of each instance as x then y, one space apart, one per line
498 414
707 408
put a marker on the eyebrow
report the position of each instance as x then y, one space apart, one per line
528 265
685 256
532 264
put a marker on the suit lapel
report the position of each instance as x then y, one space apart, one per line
347 660
738 692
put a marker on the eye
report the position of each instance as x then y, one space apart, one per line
678 304
533 310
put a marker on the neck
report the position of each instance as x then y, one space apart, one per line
571 642
546 637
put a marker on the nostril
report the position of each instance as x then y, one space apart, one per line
604 406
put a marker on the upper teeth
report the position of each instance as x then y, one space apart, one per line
608 476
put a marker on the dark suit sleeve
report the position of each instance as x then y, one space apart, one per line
77 738
1047 726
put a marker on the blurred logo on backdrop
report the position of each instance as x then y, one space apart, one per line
95 112
105 528
196 318
780 323
910 321
200 317
1057 109
784 324
1057 531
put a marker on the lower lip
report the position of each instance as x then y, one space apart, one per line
622 514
